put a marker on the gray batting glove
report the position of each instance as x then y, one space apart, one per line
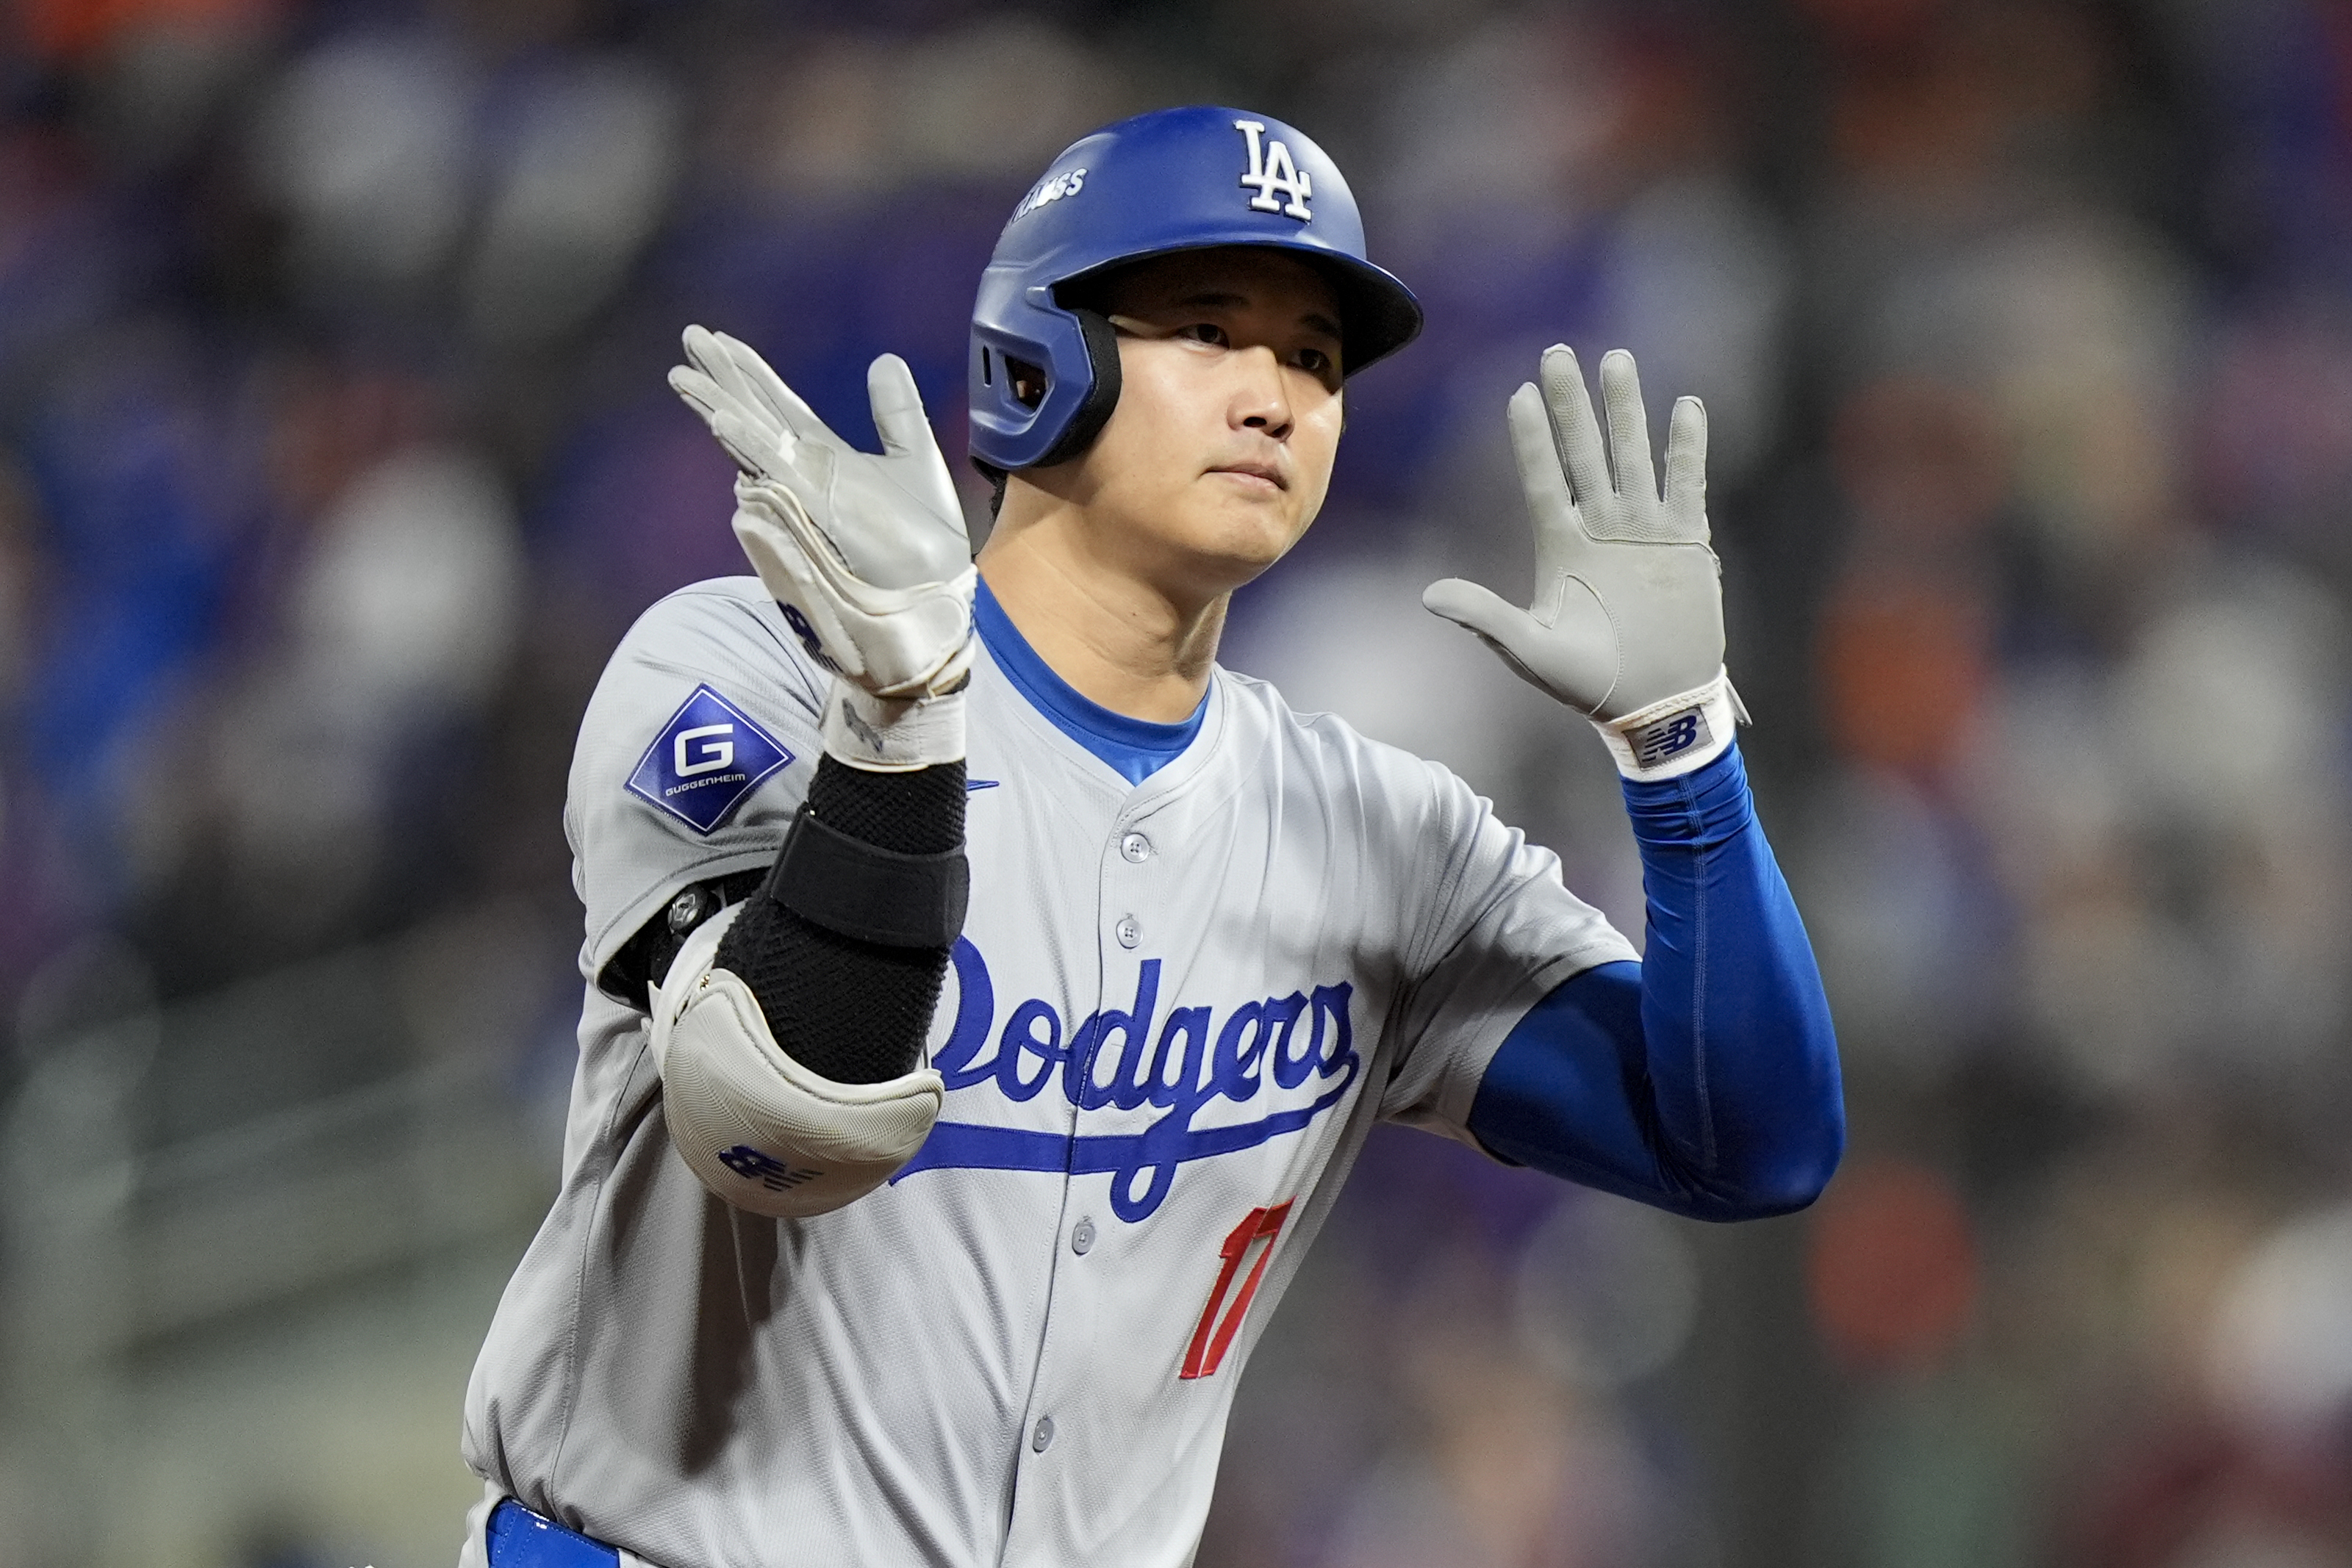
1627 625
866 554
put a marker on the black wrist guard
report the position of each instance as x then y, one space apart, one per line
854 888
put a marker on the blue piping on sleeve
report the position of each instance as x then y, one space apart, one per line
1703 1079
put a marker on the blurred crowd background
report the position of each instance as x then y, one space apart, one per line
335 456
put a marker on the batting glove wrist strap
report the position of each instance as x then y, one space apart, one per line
1678 735
892 735
759 1129
863 891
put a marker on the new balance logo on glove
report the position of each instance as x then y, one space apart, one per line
1668 737
770 1172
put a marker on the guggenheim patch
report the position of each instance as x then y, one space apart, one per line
708 758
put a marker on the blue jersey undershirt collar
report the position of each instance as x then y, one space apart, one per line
1134 748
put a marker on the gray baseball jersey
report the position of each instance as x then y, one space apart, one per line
1175 1011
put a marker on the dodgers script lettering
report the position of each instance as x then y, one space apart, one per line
1265 1052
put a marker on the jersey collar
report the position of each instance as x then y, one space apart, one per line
1134 748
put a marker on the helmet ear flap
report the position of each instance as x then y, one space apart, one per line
1102 358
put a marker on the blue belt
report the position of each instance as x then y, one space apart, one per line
517 1538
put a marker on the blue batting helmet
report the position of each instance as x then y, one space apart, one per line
1044 374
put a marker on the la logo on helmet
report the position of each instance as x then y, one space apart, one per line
1271 170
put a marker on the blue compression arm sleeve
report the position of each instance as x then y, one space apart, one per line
1703 1079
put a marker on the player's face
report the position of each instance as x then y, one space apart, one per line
1219 452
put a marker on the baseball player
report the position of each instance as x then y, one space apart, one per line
989 992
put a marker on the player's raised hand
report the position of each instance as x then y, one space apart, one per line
867 552
894 517
1626 621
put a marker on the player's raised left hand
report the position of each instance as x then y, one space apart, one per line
869 550
1626 622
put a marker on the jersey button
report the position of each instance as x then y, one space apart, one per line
1042 1437
1136 848
1130 931
1082 1239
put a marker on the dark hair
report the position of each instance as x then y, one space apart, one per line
996 477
